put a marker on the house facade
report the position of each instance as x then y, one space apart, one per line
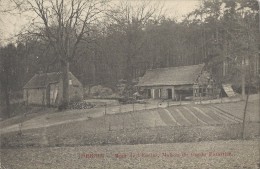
46 89
177 83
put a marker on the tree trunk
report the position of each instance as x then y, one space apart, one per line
243 80
7 102
94 73
128 72
5 95
65 82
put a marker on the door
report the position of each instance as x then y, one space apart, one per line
169 92
149 94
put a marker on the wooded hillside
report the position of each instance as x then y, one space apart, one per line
128 40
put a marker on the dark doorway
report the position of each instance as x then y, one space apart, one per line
169 91
149 93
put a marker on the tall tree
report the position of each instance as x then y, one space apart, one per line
231 34
63 25
131 19
7 66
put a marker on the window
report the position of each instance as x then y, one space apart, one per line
203 92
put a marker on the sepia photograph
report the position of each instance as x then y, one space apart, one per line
129 84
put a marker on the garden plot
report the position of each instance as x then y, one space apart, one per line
166 116
191 115
214 114
148 118
226 115
202 115
177 115
232 108
237 110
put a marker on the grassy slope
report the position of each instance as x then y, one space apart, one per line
142 127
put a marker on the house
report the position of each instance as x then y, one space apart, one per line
177 83
46 89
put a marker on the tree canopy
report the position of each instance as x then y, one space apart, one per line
104 44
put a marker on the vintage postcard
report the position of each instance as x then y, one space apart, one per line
129 84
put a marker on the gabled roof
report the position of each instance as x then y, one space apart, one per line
171 76
42 80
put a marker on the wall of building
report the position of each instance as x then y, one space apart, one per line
35 96
53 94
75 89
160 92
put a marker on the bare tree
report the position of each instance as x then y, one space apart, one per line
7 57
64 24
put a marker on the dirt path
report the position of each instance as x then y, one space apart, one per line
74 116
187 114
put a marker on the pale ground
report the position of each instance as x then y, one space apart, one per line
244 154
227 154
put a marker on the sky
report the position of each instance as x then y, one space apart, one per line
11 25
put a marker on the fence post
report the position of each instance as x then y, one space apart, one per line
105 109
20 128
200 98
244 117
221 97
180 99
104 121
123 123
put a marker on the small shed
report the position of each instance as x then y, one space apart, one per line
184 82
46 89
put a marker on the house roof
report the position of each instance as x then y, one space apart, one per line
171 76
42 80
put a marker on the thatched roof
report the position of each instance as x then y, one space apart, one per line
171 76
42 80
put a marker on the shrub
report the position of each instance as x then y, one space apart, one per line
100 91
75 99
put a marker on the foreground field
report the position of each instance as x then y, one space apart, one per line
217 154
149 116
183 136
185 123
